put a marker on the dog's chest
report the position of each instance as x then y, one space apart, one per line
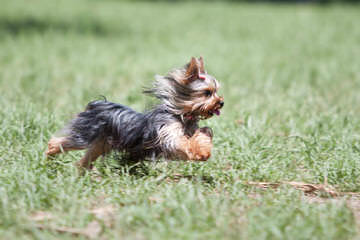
190 128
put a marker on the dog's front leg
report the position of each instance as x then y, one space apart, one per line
177 144
198 147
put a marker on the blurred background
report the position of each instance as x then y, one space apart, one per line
80 49
289 73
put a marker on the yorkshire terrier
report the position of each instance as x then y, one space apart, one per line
169 130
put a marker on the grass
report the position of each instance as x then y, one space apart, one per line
291 82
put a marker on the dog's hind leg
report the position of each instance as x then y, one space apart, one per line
95 150
58 145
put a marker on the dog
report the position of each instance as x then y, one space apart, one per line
170 129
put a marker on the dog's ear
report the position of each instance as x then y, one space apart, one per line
201 67
192 71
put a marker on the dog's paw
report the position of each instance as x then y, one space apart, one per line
201 144
54 146
203 154
207 131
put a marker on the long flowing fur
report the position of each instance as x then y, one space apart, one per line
121 127
165 130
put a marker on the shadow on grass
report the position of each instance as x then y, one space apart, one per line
81 25
144 169
193 178
118 164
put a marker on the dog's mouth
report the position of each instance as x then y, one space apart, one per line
212 112
215 111
205 114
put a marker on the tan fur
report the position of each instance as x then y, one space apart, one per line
201 65
194 145
192 72
197 148
94 151
57 145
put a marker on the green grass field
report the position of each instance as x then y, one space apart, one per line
291 80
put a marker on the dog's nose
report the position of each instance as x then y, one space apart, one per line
221 103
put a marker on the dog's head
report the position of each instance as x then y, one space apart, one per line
189 91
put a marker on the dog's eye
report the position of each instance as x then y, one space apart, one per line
208 93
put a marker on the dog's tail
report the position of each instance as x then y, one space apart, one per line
101 120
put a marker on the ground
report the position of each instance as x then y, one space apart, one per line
290 78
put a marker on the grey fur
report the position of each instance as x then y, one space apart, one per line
150 134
